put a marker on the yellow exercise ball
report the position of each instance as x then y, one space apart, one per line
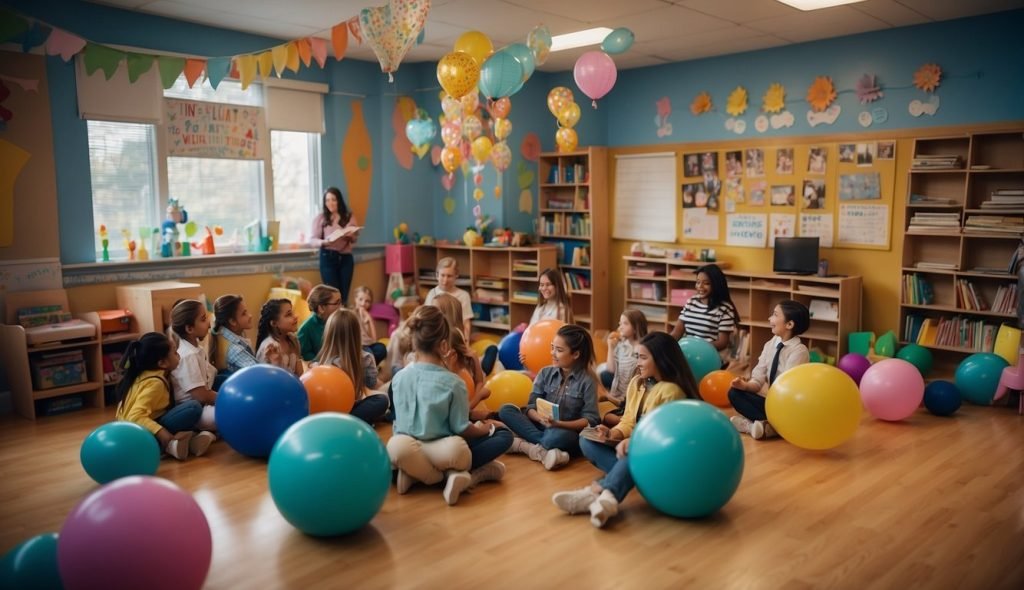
814 406
481 346
509 387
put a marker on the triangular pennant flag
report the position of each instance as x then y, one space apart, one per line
319 49
63 43
12 26
193 69
353 27
35 36
305 51
246 65
138 64
102 58
216 69
280 54
170 69
266 63
293 57
339 40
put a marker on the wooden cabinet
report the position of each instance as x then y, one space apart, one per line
573 216
151 303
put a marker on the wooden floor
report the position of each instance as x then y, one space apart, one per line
929 503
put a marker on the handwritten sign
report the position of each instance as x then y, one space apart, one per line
783 225
746 229
698 225
817 225
863 225
212 130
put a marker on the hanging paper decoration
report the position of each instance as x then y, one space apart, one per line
501 75
774 100
318 47
101 57
618 41
458 74
736 104
265 61
170 69
292 63
339 40
928 77
539 42
138 64
34 37
821 93
664 109
246 65
305 50
354 30
392 30
595 74
280 56
868 89
63 43
701 104
216 70
193 69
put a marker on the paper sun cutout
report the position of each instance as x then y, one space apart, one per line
737 103
868 89
774 100
701 104
821 93
928 77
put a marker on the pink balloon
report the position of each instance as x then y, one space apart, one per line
595 74
135 532
892 389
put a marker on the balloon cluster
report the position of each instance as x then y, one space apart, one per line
563 106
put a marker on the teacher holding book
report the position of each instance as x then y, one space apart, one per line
334 233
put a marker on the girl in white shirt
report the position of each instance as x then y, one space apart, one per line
194 375
552 299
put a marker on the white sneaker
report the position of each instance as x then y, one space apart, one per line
741 423
603 508
554 459
576 501
457 483
201 442
761 429
493 471
178 446
519 446
403 482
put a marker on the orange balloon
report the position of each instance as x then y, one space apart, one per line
714 388
451 158
468 380
536 343
329 388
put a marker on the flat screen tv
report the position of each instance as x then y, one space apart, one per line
796 256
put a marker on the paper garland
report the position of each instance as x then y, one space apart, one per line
821 93
774 99
928 77
736 104
701 104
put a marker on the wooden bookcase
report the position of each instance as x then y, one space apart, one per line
948 258
573 215
755 295
499 272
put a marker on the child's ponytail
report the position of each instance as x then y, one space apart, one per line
141 355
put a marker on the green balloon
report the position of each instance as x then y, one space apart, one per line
918 356
618 41
32 564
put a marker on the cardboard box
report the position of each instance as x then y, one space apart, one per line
59 370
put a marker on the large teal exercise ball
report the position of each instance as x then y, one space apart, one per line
32 565
700 355
978 376
329 474
686 459
119 449
256 405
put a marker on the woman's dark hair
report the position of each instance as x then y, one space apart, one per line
428 328
141 355
268 313
578 340
671 363
343 211
719 289
795 312
224 310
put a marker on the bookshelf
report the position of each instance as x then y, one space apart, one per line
965 220
573 217
502 282
755 295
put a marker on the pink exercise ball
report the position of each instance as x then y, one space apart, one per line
135 532
892 389
854 365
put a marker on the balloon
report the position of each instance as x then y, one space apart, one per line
420 131
686 459
256 405
481 346
978 375
536 344
566 139
509 387
392 29
501 156
329 474
468 380
539 42
451 134
1008 343
558 97
814 406
569 115
452 107
451 158
714 388
119 449
472 127
886 345
501 108
329 388
918 356
32 564
522 53
501 75
700 355
502 128
482 148
470 103
892 389
458 74
508 350
117 536
942 398
618 41
854 365
595 74
475 44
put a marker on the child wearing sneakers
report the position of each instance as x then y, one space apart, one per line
788 320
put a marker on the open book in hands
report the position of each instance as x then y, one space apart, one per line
598 435
348 230
547 409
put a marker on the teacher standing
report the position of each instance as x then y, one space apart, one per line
335 232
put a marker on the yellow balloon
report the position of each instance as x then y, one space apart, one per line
558 97
458 74
384 340
480 346
814 406
451 158
566 139
475 44
569 115
481 148
509 387
502 128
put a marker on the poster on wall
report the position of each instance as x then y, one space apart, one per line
863 225
746 229
698 225
211 130
781 225
817 225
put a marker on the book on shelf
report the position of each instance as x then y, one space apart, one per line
924 265
491 282
526 266
739 350
647 291
577 279
490 296
547 409
967 296
532 296
581 199
566 224
581 256
646 269
820 309
917 290
945 222
916 199
994 224
937 162
1006 299
953 332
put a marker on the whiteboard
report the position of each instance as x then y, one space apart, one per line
645 197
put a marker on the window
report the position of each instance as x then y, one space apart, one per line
228 91
295 159
228 193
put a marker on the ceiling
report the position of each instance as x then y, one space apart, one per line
666 31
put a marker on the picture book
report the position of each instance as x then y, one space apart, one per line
548 409
593 434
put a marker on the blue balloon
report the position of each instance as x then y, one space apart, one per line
618 41
525 57
500 75
942 398
700 355
329 474
508 351
256 405
119 449
686 459
978 376
420 131
32 565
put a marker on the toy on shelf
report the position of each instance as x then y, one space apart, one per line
176 214
105 243
190 232
129 243
207 246
481 223
145 234
402 235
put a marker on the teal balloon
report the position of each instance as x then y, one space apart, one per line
700 355
32 565
119 449
500 75
686 459
978 376
525 57
918 356
618 41
329 474
420 131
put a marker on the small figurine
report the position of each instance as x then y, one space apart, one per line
207 246
401 233
482 222
105 243
176 214
144 236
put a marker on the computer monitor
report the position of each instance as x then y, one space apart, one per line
796 256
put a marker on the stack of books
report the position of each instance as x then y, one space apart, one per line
489 296
994 224
937 223
578 280
647 291
1006 299
581 256
917 291
924 265
525 267
1005 198
967 297
926 200
646 269
559 201
954 332
491 282
525 296
937 162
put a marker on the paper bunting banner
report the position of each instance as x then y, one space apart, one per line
266 63
12 26
26 84
354 30
170 69
293 57
193 69
64 44
216 69
305 51
100 57
138 64
280 56
339 41
246 65
318 47
35 36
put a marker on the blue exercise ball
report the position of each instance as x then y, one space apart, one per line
942 398
329 474
256 405
32 565
686 459
700 355
119 449
508 351
978 376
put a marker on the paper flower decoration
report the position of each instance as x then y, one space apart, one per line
868 89
737 103
775 99
928 77
701 104
821 93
